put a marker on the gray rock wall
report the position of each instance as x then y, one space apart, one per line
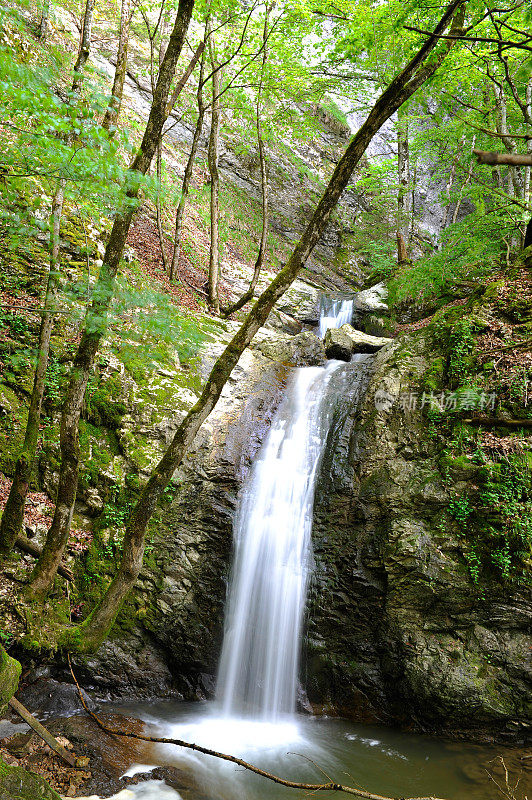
397 631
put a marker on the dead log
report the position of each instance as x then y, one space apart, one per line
33 549
41 731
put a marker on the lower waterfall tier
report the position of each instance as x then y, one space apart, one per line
396 629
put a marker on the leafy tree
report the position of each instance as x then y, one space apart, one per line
12 517
96 627
95 321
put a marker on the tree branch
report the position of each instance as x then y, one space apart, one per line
486 40
491 157
309 787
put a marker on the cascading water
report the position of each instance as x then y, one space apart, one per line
334 314
259 662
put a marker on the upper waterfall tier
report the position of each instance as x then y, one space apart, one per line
334 314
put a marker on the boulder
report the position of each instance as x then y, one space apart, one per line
338 344
345 341
364 342
303 350
373 299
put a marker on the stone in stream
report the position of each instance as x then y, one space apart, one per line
303 350
338 344
345 341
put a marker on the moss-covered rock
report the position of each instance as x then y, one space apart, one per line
9 677
17 783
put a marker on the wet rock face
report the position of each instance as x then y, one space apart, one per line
397 630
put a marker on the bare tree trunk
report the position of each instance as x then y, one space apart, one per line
464 184
113 109
13 515
403 198
515 183
95 628
170 105
85 45
187 178
261 255
95 323
42 30
449 184
214 253
159 205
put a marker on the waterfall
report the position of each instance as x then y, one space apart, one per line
334 314
260 654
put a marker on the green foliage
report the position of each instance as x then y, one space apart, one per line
115 513
154 324
471 249
460 509
104 401
332 109
497 524
381 255
507 493
54 383
461 343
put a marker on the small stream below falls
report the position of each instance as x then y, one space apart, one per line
254 714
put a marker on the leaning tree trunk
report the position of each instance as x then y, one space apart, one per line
214 138
94 629
169 107
13 515
261 255
115 102
96 318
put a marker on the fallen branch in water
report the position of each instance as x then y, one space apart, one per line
311 787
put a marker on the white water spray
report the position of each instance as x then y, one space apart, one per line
259 662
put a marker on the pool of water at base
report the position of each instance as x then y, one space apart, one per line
315 750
